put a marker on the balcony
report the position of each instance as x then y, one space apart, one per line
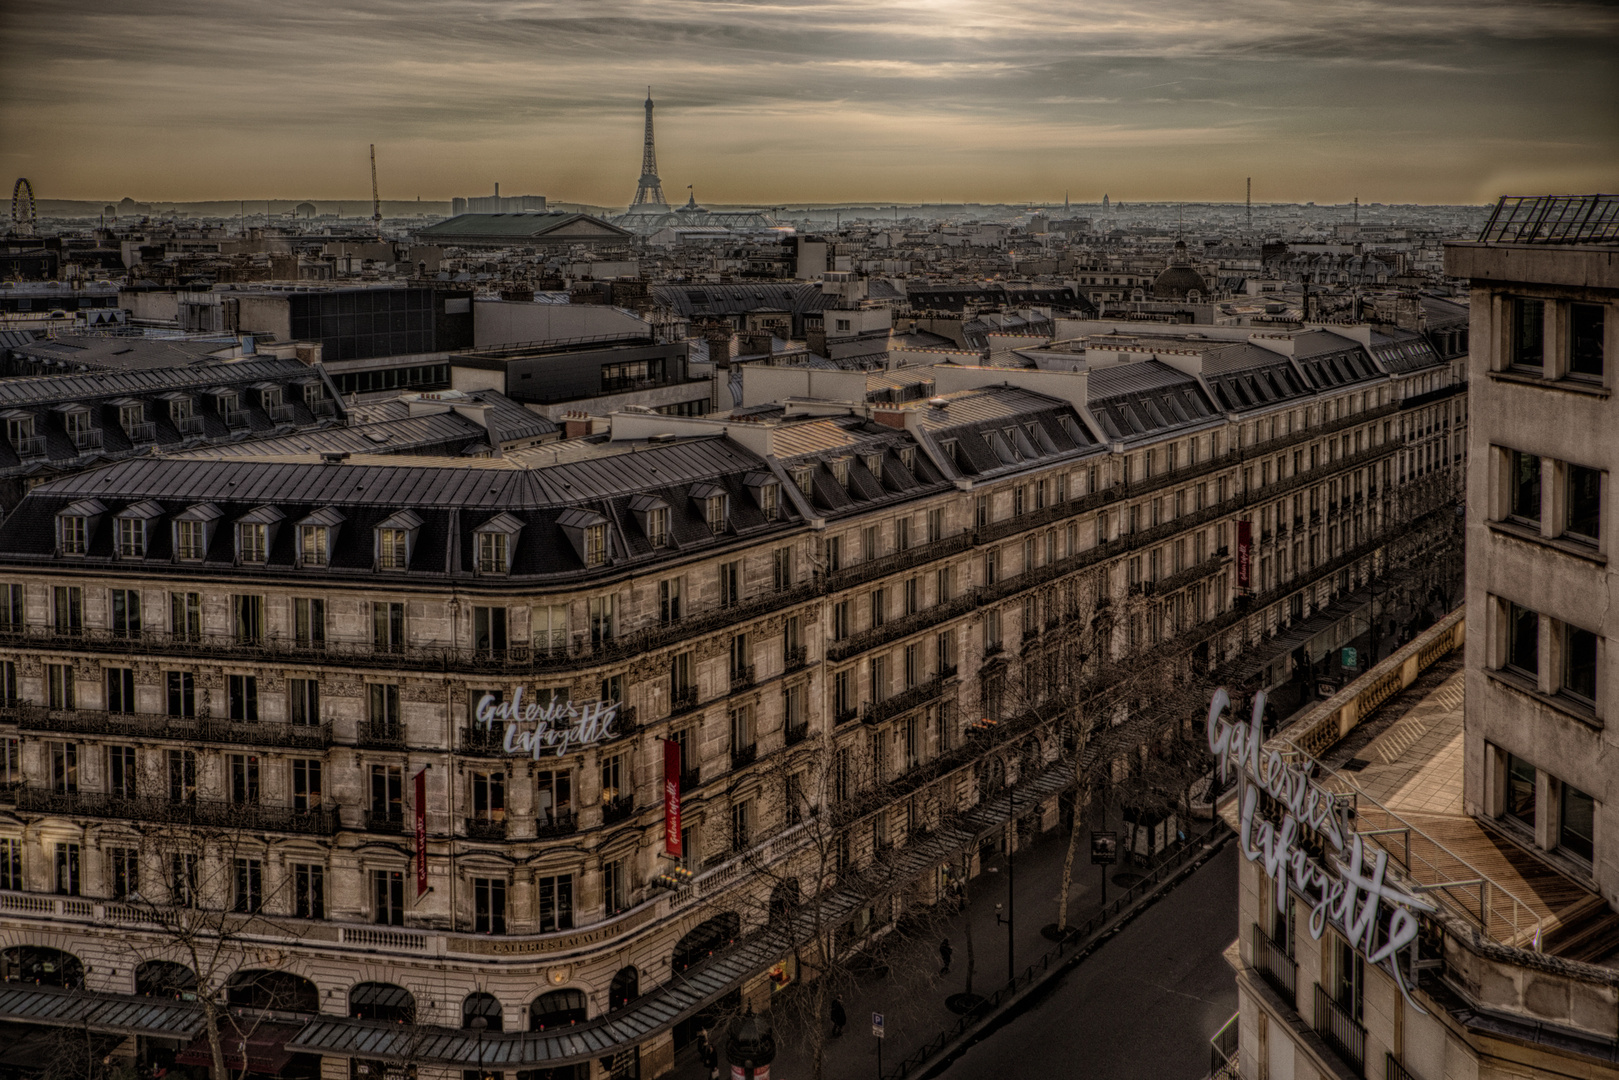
384 821
205 813
690 778
86 439
561 823
743 756
29 447
1340 1030
896 561
141 431
843 716
188 426
233 418
479 828
483 741
379 735
1277 968
1393 1070
741 676
280 414
797 733
793 659
159 726
617 809
322 407
876 712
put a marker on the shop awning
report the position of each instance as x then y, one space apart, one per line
255 1047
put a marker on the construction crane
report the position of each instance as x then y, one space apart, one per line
376 202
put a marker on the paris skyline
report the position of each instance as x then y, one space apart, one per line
811 102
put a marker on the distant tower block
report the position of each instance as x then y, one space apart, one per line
649 192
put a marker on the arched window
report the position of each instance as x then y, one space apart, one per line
382 1001
484 1005
626 988
559 1008
281 991
165 978
42 965
708 938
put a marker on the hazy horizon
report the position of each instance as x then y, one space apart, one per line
769 103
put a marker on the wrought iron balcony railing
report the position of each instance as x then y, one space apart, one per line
1277 968
1340 1030
205 813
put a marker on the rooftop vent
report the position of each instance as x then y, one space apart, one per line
667 436
938 402
334 457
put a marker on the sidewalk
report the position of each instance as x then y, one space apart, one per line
911 994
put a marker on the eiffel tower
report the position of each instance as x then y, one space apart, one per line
649 192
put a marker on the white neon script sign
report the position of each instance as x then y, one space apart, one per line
559 726
1347 895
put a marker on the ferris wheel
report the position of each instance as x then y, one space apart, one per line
22 206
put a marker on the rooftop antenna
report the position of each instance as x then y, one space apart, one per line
1250 202
1357 209
376 202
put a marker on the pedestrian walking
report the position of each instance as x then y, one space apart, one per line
945 953
839 1018
709 1056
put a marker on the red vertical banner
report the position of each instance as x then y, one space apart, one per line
1245 554
421 833
671 799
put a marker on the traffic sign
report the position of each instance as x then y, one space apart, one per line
877 1024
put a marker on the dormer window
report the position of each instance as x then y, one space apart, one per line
312 545
74 525
840 472
907 458
228 405
768 498
129 534
254 534
315 399
395 538
193 529
497 542
587 530
874 465
805 479
85 436
652 514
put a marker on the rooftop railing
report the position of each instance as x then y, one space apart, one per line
1553 219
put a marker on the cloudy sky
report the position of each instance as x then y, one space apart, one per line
812 100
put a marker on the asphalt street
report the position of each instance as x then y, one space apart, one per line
1143 1007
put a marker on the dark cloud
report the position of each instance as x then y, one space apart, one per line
922 99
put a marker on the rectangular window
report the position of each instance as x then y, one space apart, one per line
252 542
68 605
1576 830
243 691
120 690
1584 504
657 526
312 545
303 701
387 793
489 796
183 877
121 771
393 549
730 583
1585 345
992 629
185 616
548 628
616 884
182 775
188 537
595 545
309 621
1524 489
59 686
742 731
492 552
1580 663
244 779
8 682
602 621
12 616
935 525
840 620
669 600
1528 333
768 501
388 897
182 694
308 891
384 707
741 659
68 881
248 895
1523 639
781 568
388 627
554 799
556 903
72 530
1520 793
879 607
307 792
489 631
11 864
488 905
248 616
843 693
64 767
126 613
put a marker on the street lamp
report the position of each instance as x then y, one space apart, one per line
1011 910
